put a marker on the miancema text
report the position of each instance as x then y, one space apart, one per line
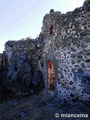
75 115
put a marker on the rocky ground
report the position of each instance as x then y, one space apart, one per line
41 107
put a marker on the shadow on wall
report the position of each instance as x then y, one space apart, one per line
20 77
84 78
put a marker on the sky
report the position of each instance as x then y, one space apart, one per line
23 18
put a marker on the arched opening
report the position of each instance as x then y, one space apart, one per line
51 75
51 29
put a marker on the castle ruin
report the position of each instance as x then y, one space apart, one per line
61 53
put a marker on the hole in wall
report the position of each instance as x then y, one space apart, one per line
88 60
51 29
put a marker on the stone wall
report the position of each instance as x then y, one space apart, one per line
65 40
67 37
21 66
31 47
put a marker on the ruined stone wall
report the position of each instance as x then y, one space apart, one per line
18 46
64 39
32 48
67 37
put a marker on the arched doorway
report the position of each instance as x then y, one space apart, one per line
51 75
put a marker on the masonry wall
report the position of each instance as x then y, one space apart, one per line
64 39
69 42
31 47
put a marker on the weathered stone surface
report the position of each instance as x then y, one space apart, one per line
70 43
65 40
20 75
86 5
38 78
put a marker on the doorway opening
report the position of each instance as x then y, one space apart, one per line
51 75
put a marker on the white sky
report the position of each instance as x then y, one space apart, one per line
23 18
